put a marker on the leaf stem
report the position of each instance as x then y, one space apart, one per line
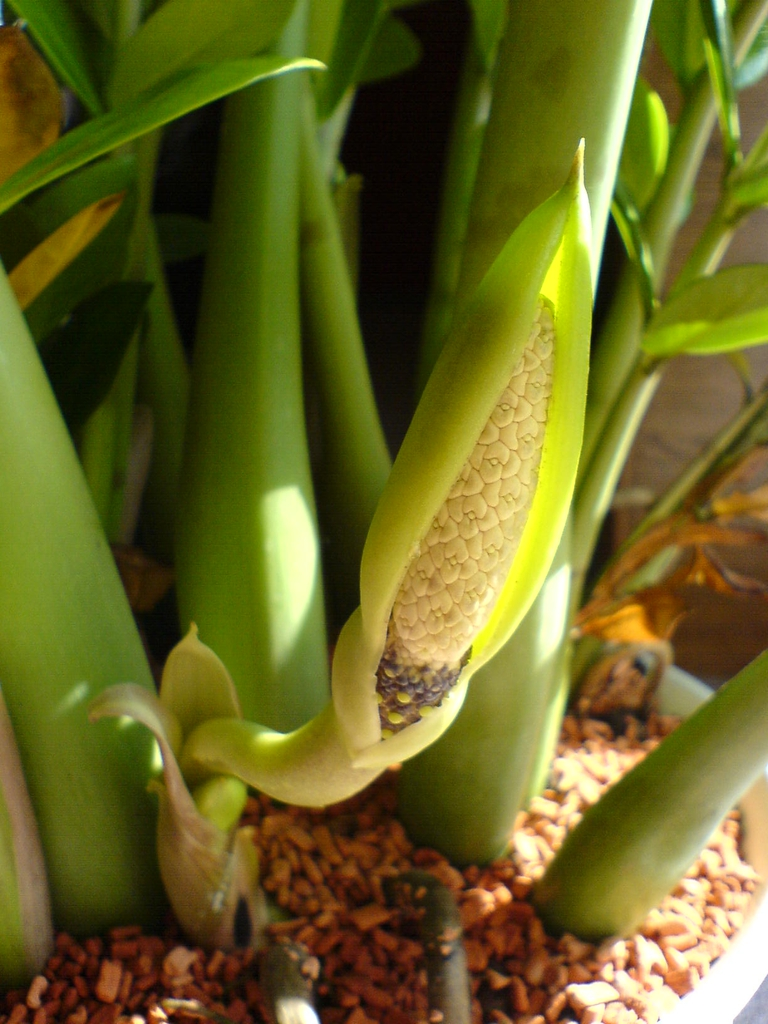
354 461
246 538
470 118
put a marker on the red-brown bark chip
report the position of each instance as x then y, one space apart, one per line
327 869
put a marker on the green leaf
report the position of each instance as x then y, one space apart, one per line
359 24
19 235
101 262
82 357
646 145
395 49
726 311
102 13
181 236
755 64
750 190
678 31
188 90
67 197
183 33
489 18
718 47
72 45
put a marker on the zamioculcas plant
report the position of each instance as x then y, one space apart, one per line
450 584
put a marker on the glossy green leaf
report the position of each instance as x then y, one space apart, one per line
395 49
646 145
726 311
182 33
188 90
679 32
98 264
181 236
72 45
755 64
718 47
359 24
82 357
489 18
323 24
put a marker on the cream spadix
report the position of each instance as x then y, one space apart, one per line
478 496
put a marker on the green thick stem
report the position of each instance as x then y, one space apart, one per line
469 123
461 795
106 438
66 632
247 547
163 384
354 461
565 71
633 846
596 493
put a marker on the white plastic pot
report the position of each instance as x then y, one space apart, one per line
737 975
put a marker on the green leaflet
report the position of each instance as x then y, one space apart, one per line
358 26
189 89
718 47
183 33
83 355
646 144
181 236
72 45
726 311
395 48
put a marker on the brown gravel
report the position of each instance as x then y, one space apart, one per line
327 868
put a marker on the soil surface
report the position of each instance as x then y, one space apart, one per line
328 870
